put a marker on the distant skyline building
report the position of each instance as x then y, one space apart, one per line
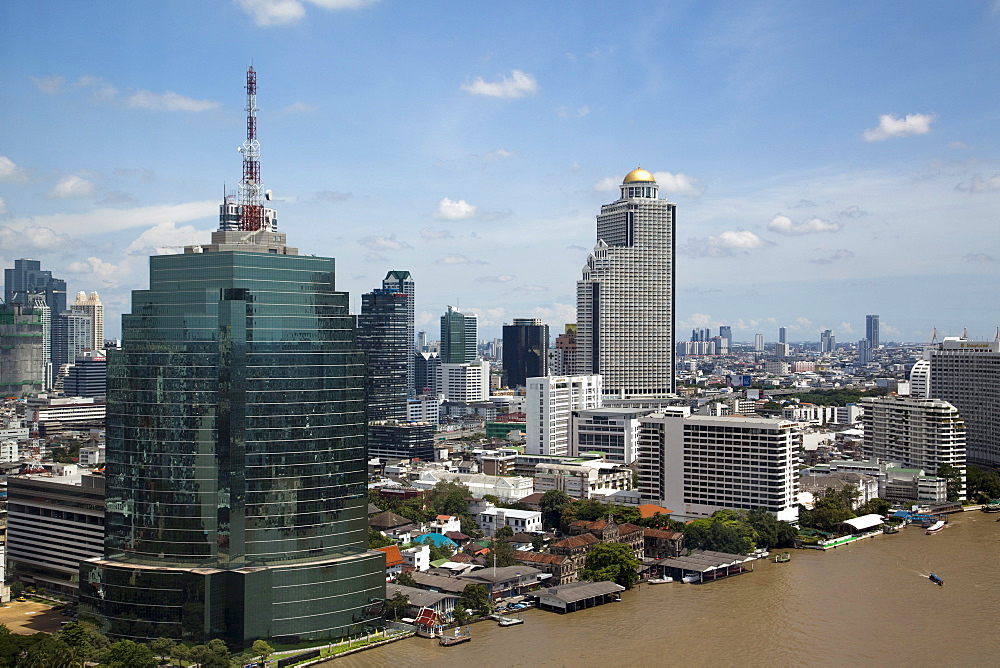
726 332
88 375
467 382
22 351
758 343
782 333
827 341
525 350
459 337
26 280
383 334
562 357
91 306
871 331
625 300
966 374
72 334
401 281
864 351
426 366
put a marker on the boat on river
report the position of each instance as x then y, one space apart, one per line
890 528
782 558
510 621
658 581
934 528
935 579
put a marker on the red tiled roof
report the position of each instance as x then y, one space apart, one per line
426 617
443 518
539 558
577 541
624 529
462 558
658 533
649 509
392 555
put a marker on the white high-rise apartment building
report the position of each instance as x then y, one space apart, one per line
915 432
90 305
966 374
625 301
549 405
695 465
758 343
464 382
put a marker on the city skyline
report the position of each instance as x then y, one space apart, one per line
813 167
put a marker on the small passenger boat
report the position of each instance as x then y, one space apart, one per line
935 579
657 581
934 528
782 558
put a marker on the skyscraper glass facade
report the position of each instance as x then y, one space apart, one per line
236 463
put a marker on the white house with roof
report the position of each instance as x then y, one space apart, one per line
506 488
520 521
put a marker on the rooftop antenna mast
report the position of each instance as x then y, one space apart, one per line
251 193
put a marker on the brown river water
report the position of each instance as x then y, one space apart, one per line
865 604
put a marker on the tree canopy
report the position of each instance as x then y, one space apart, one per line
611 561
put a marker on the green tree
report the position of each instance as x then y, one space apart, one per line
396 606
163 648
551 504
449 498
262 649
830 510
476 597
538 543
16 588
983 486
954 477
877 506
611 561
85 639
504 532
771 532
128 654
375 498
501 553
405 579
378 539
437 551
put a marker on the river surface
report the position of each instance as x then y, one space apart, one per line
868 603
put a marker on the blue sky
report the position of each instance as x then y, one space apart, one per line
828 160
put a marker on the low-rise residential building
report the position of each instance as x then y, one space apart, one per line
416 558
520 521
444 523
661 543
393 561
506 488
443 604
559 568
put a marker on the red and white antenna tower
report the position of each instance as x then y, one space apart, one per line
251 193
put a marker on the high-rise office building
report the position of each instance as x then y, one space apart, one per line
625 300
781 335
758 343
562 358
383 334
72 334
915 432
91 306
464 382
726 332
236 466
864 351
88 375
827 341
871 331
966 374
427 368
401 281
525 350
27 280
459 336
22 351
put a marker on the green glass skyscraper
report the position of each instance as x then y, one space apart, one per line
236 459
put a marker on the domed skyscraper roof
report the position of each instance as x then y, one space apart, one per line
639 175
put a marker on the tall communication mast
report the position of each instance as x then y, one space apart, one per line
251 192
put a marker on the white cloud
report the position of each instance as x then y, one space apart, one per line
50 85
375 257
982 258
835 256
978 185
168 101
846 328
786 226
377 243
8 170
34 238
608 184
298 108
109 220
555 316
454 258
454 210
96 268
100 89
499 154
728 243
281 12
72 186
889 126
3 207
678 183
518 84
162 239
698 321
430 233
502 278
